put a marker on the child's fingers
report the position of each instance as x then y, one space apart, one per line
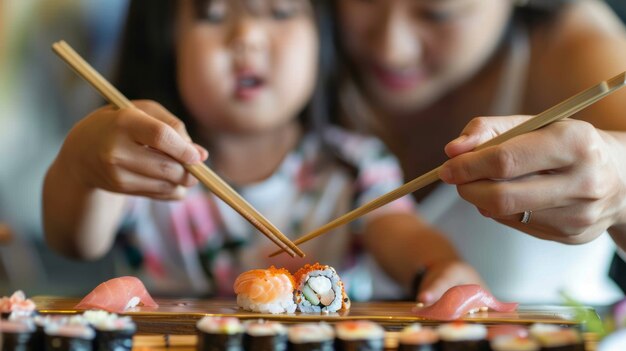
136 184
154 164
159 112
161 136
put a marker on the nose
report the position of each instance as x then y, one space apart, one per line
247 37
396 42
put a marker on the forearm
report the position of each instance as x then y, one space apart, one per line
79 221
403 245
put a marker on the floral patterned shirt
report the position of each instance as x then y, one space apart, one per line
198 246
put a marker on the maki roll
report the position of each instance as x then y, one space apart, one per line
17 305
513 343
319 289
265 290
459 336
359 336
42 321
311 337
69 337
16 335
219 334
556 338
112 331
417 338
264 336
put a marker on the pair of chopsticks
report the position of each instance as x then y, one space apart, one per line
199 170
555 113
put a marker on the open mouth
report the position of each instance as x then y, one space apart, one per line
248 86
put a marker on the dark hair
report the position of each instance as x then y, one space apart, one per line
147 63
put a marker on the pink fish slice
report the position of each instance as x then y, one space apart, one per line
462 299
117 295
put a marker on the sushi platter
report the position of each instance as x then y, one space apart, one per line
178 316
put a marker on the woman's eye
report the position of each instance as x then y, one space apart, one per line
283 13
437 16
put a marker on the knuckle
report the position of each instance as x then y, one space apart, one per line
177 124
161 134
594 187
504 162
500 203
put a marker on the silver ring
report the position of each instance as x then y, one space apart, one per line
526 216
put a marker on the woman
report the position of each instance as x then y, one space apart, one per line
420 70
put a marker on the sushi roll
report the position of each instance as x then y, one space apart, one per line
264 336
513 343
219 334
17 305
556 338
359 336
16 335
319 289
311 337
417 338
42 321
69 337
112 331
459 336
265 290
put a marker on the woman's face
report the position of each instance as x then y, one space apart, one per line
408 53
245 66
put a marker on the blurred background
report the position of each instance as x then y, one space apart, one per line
40 99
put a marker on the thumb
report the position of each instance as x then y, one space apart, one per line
480 130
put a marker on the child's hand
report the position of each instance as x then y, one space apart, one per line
442 276
138 151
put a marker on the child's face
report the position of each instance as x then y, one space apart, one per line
408 53
245 66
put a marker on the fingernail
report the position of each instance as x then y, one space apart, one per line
445 174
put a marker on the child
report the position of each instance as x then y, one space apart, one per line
241 74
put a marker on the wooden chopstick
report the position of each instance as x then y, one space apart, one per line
211 180
557 112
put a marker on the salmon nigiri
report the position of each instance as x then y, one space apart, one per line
117 295
265 290
462 299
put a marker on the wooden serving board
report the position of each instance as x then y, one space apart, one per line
178 316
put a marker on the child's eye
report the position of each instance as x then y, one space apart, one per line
211 11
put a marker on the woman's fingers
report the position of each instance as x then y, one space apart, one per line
538 151
480 130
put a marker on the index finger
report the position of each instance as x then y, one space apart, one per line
525 154
151 131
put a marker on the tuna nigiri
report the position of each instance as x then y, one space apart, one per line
265 290
462 299
118 295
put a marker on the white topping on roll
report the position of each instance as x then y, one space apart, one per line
264 328
462 331
359 330
311 332
220 325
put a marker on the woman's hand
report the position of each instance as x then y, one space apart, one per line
569 174
138 151
442 276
